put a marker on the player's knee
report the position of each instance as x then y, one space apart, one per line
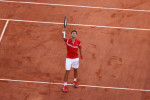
67 72
75 70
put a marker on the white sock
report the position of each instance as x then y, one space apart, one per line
75 79
65 83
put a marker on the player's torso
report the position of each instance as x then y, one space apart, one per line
72 48
73 45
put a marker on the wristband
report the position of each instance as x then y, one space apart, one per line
81 57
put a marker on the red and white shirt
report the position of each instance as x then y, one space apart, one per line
72 48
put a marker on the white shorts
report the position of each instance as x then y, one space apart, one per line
72 62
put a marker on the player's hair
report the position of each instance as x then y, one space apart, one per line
74 31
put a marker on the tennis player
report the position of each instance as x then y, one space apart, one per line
72 59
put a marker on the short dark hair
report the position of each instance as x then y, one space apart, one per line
74 31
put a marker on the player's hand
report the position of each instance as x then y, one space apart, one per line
81 60
64 31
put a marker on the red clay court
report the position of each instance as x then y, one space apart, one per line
115 36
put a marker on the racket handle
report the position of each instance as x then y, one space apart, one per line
64 29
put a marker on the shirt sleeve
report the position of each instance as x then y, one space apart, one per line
80 46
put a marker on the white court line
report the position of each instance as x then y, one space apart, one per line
65 5
112 27
104 87
3 30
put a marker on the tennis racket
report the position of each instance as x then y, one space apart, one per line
65 22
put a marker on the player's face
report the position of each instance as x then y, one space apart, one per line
74 35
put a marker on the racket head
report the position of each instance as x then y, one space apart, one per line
65 22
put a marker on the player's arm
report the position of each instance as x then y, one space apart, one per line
80 50
81 54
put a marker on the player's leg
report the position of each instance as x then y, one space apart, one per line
75 65
75 74
68 67
66 77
